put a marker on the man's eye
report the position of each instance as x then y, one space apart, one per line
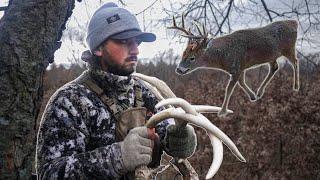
128 41
123 41
138 41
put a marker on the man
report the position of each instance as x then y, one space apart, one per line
92 127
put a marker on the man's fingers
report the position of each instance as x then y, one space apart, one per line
146 142
144 150
145 159
141 131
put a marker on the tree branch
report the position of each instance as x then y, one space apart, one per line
213 14
224 19
146 8
267 10
121 1
308 59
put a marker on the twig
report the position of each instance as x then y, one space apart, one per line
267 10
214 16
147 8
224 19
124 4
306 58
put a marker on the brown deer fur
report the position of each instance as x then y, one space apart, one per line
241 50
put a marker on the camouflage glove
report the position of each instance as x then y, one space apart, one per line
180 142
136 148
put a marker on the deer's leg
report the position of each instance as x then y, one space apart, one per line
245 87
295 64
273 67
229 89
296 83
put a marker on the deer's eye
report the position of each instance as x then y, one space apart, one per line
192 59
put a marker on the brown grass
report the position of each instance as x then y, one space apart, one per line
279 135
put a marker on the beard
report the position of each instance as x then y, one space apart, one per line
124 69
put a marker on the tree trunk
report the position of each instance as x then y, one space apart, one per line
30 32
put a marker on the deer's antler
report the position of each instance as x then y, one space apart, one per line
189 113
188 33
183 29
214 133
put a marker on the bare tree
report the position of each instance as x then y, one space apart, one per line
30 33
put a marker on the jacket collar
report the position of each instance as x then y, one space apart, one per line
111 82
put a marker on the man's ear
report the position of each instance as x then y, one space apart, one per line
97 52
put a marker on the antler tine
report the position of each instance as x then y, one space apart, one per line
198 29
208 109
185 105
204 30
200 121
174 21
182 21
183 29
154 91
163 88
217 157
189 30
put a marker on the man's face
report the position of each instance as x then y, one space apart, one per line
120 56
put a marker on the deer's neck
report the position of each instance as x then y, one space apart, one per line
211 56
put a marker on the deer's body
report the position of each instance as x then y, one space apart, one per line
240 50
247 48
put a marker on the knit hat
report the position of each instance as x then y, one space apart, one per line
111 21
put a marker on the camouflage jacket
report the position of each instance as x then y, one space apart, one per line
76 138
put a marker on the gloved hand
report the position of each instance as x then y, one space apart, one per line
136 148
180 142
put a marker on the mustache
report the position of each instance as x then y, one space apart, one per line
132 58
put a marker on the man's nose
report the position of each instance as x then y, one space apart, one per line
134 48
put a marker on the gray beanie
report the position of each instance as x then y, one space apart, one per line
111 21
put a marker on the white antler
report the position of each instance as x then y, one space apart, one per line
198 120
159 84
217 156
208 109
204 123
192 114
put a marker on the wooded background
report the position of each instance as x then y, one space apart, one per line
278 135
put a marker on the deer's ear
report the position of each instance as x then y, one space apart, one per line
194 45
203 41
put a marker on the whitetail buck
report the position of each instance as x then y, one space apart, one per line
239 51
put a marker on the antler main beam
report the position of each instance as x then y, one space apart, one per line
197 119
183 29
190 113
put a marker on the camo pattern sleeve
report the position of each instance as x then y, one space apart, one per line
76 138
150 102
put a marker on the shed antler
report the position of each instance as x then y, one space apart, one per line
214 133
189 113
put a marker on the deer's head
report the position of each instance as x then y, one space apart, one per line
194 50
